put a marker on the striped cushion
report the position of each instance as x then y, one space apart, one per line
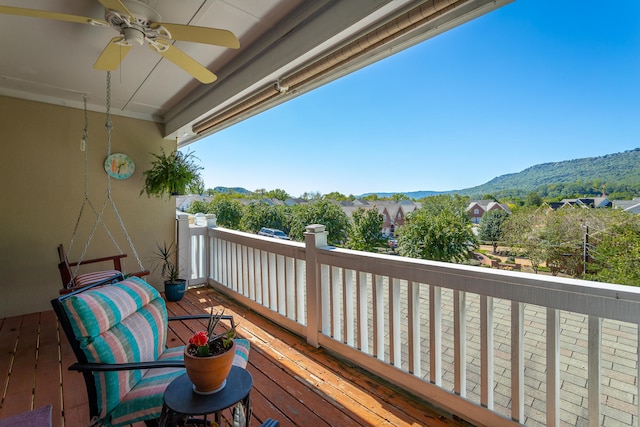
146 398
119 323
91 278
139 337
144 401
242 353
97 310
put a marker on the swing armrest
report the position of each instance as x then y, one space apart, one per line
114 258
133 366
138 274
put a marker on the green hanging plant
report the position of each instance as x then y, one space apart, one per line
173 174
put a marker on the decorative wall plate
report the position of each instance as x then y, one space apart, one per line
119 166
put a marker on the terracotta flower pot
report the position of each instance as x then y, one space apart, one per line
209 374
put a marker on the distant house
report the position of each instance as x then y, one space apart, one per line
477 208
293 202
394 215
184 202
583 202
632 206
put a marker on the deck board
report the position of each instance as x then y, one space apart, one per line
293 382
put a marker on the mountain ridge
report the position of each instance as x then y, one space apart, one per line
610 170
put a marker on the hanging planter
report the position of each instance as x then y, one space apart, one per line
173 174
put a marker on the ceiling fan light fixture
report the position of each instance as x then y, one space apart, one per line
133 35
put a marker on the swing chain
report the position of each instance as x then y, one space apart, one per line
113 205
85 139
108 197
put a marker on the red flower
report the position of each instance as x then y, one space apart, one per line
200 339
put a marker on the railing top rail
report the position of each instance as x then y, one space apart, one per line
197 230
268 244
592 298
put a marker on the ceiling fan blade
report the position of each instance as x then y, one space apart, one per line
191 33
116 5
112 55
185 62
34 13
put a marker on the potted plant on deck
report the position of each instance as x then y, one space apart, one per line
209 356
174 287
173 174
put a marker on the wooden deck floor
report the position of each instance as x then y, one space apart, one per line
293 382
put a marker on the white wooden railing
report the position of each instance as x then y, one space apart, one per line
491 346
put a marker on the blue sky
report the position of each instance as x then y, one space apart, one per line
535 81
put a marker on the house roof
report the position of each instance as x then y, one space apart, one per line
588 202
632 206
287 48
487 205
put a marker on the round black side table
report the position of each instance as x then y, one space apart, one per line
180 399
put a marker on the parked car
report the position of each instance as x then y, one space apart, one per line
272 232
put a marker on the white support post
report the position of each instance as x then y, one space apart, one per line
280 286
395 338
435 335
517 361
290 287
363 318
378 317
315 237
348 278
486 351
183 246
460 342
594 350
414 328
336 314
553 367
301 300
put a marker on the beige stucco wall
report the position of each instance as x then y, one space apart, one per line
42 189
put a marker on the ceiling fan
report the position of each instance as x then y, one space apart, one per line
137 23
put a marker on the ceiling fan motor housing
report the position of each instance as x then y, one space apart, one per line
133 28
133 35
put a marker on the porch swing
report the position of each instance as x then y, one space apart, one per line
71 280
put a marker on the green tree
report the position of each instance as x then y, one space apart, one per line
365 233
533 199
617 253
199 206
489 197
258 215
525 230
311 196
491 227
557 237
259 193
564 235
320 212
440 230
398 197
334 195
277 194
228 211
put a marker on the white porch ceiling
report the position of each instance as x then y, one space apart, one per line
302 43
